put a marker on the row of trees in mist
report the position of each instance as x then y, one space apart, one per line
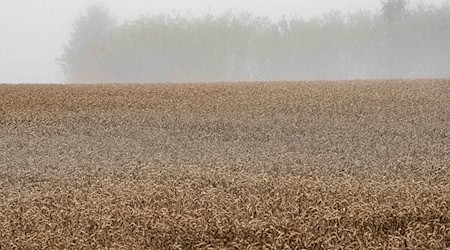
397 41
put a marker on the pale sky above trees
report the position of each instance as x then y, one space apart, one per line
33 31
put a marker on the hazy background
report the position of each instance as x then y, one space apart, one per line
33 32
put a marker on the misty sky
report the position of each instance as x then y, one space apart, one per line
32 32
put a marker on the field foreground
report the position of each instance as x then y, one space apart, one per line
313 165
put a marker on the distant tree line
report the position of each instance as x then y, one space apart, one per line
397 41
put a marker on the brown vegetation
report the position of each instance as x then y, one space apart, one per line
313 165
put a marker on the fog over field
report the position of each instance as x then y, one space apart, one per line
216 40
225 124
179 41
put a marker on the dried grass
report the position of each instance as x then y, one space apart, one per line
312 165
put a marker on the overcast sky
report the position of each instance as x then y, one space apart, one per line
32 32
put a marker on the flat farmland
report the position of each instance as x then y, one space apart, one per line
282 165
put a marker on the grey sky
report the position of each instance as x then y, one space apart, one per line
33 31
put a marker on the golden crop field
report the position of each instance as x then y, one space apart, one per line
307 165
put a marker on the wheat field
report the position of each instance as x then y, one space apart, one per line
283 165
